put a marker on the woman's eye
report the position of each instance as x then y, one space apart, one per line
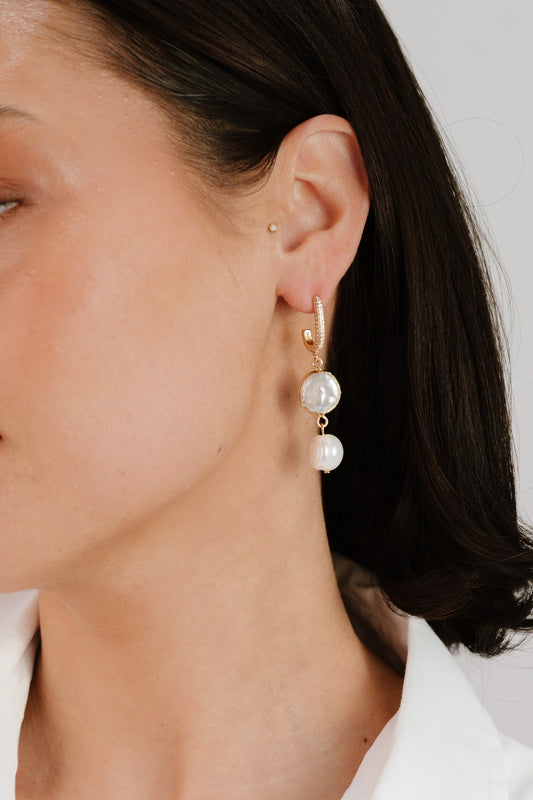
7 205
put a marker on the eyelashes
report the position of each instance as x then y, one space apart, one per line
6 206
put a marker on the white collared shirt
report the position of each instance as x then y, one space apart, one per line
440 745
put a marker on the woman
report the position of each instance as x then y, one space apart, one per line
183 184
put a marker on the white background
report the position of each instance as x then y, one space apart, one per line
474 61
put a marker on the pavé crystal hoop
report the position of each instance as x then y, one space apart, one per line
319 393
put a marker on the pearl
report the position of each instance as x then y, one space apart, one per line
319 392
325 452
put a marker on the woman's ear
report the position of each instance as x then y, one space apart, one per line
320 203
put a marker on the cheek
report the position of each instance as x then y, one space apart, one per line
122 382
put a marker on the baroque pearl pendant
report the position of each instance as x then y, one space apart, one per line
325 452
319 392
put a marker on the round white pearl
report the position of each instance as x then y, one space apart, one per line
319 392
325 452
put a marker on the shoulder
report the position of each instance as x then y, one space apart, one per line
442 744
518 759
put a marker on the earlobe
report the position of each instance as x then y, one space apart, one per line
323 207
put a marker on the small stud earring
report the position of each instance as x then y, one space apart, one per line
272 227
319 393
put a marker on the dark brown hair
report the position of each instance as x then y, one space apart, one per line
425 496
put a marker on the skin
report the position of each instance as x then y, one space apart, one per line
155 484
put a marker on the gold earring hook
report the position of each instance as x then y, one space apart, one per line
314 345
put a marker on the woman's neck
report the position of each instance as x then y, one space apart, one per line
206 656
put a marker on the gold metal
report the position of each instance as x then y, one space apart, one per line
272 227
322 422
318 364
314 345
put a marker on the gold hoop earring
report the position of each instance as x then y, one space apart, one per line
319 393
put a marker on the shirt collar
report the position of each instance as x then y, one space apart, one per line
19 619
444 741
